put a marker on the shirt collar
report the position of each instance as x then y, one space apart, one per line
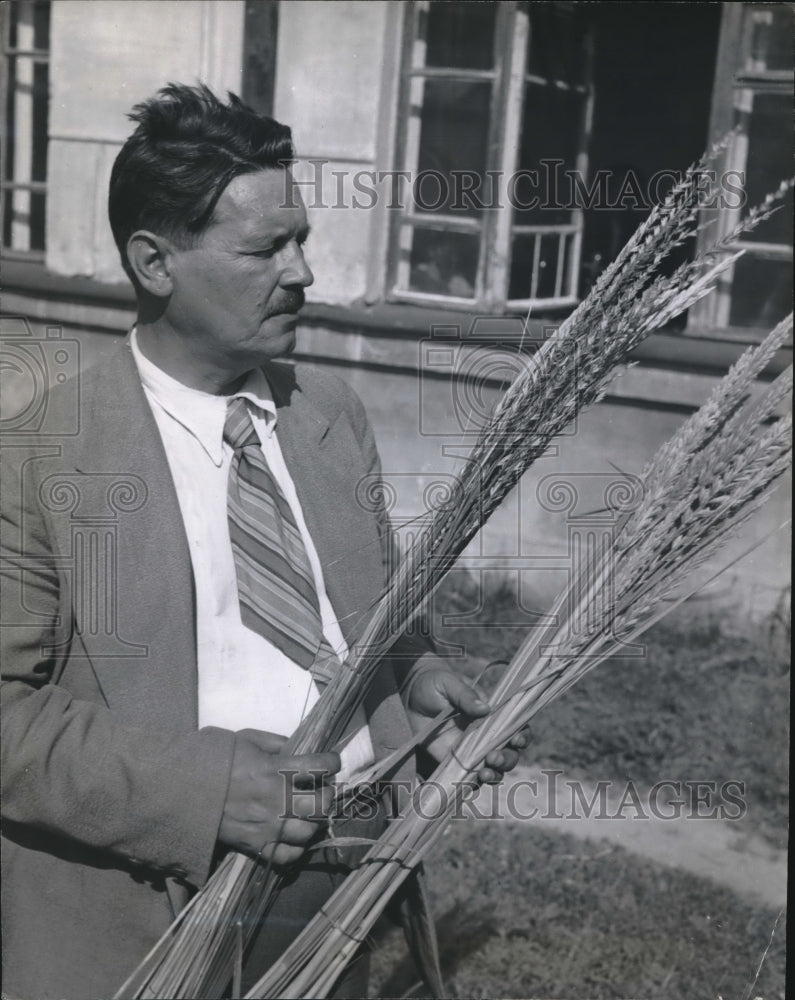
203 414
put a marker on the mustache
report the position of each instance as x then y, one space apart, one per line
289 302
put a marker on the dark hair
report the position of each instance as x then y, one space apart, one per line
187 147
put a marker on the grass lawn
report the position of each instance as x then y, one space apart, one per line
528 914
525 913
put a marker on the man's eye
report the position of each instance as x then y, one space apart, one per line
280 245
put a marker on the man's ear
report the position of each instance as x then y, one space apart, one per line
150 259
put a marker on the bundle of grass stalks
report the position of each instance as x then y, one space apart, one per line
698 490
197 957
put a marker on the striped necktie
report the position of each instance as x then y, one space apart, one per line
275 582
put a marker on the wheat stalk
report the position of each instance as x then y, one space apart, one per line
572 369
725 476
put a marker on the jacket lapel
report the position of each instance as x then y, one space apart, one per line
147 667
149 671
326 465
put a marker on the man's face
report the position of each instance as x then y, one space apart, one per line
236 294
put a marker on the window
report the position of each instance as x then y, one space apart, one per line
26 43
753 93
496 106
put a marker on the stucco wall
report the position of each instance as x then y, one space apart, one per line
108 55
336 69
105 57
418 424
528 539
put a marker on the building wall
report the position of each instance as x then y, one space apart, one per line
108 55
418 426
418 423
335 80
105 57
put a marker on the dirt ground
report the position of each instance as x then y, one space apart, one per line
674 911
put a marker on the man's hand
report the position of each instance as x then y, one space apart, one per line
437 689
275 803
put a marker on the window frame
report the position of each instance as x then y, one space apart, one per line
737 81
496 229
13 184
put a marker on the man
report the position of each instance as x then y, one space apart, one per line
239 571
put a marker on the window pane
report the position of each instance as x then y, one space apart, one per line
460 35
11 131
557 42
538 266
453 136
23 220
444 263
770 162
26 115
13 19
7 207
16 219
771 37
761 292
27 106
36 221
550 131
29 24
41 24
39 129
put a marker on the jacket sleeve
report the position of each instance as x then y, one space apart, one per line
72 770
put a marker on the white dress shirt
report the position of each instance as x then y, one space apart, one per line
244 681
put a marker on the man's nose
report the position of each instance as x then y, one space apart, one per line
297 271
